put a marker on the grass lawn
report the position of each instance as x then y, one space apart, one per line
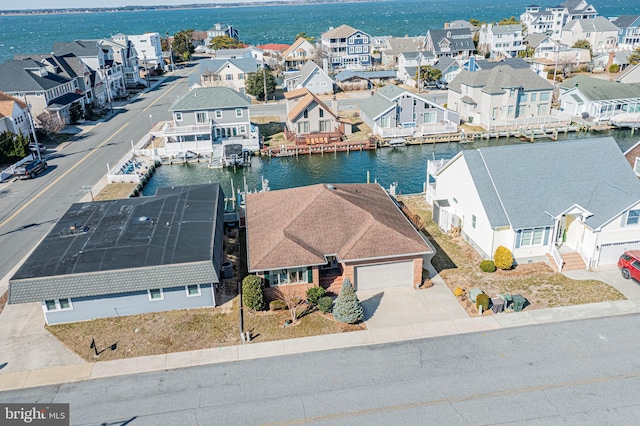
458 265
185 330
115 191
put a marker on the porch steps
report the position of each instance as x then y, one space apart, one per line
571 262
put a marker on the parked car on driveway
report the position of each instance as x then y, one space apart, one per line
33 147
30 169
629 264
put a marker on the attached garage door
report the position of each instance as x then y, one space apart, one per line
384 275
610 253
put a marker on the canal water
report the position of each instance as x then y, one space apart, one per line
405 166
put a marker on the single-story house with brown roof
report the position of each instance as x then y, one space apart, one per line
302 235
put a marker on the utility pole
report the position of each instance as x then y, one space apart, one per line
264 83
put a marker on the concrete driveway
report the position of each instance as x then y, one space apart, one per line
612 276
397 307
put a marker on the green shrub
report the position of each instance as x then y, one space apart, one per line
347 308
314 294
253 292
487 266
325 304
482 300
277 305
614 68
503 258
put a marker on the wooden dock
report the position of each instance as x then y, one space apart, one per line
297 150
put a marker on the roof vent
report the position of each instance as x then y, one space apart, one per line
143 219
331 187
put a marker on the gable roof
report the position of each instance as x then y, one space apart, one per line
80 48
506 29
596 89
495 80
632 153
398 45
367 75
460 39
17 76
296 45
376 105
597 24
625 21
216 66
274 47
516 63
523 186
307 99
7 103
117 246
343 31
300 226
208 98
534 40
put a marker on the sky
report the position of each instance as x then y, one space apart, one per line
58 4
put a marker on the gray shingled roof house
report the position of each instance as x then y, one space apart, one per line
572 197
127 256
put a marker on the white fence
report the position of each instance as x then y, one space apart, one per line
417 131
8 172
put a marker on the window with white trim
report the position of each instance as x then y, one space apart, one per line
178 116
633 217
202 117
238 112
58 305
242 129
155 294
193 290
218 113
532 237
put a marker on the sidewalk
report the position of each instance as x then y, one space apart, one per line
442 323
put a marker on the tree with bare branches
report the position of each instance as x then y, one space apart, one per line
49 123
291 297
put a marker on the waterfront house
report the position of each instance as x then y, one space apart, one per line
450 42
125 54
500 96
538 45
311 121
245 52
272 53
45 92
395 112
501 41
551 20
306 235
99 59
346 47
127 256
562 61
449 68
601 33
310 77
230 73
572 199
220 30
14 116
363 80
628 31
207 118
298 54
598 99
149 49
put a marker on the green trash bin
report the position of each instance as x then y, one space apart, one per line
518 302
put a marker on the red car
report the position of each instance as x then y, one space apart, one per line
629 264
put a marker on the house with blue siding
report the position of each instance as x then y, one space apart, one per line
558 200
628 31
346 47
129 256
395 112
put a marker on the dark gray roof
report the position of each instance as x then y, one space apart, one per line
348 74
497 79
107 247
209 98
444 63
516 63
64 100
80 48
18 77
625 21
460 39
523 185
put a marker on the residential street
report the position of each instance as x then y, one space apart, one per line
578 372
29 208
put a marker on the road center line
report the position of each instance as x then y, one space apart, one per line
173 86
66 172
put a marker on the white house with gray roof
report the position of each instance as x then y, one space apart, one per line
601 33
540 199
598 99
310 77
501 41
395 112
129 256
207 118
500 96
230 73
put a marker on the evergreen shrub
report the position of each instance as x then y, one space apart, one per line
253 292
487 266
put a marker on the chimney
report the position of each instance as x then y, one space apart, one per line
610 61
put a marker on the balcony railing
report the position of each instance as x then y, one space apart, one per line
169 129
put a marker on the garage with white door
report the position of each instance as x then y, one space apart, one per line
384 275
610 253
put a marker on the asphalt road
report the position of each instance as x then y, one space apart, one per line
582 372
29 208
